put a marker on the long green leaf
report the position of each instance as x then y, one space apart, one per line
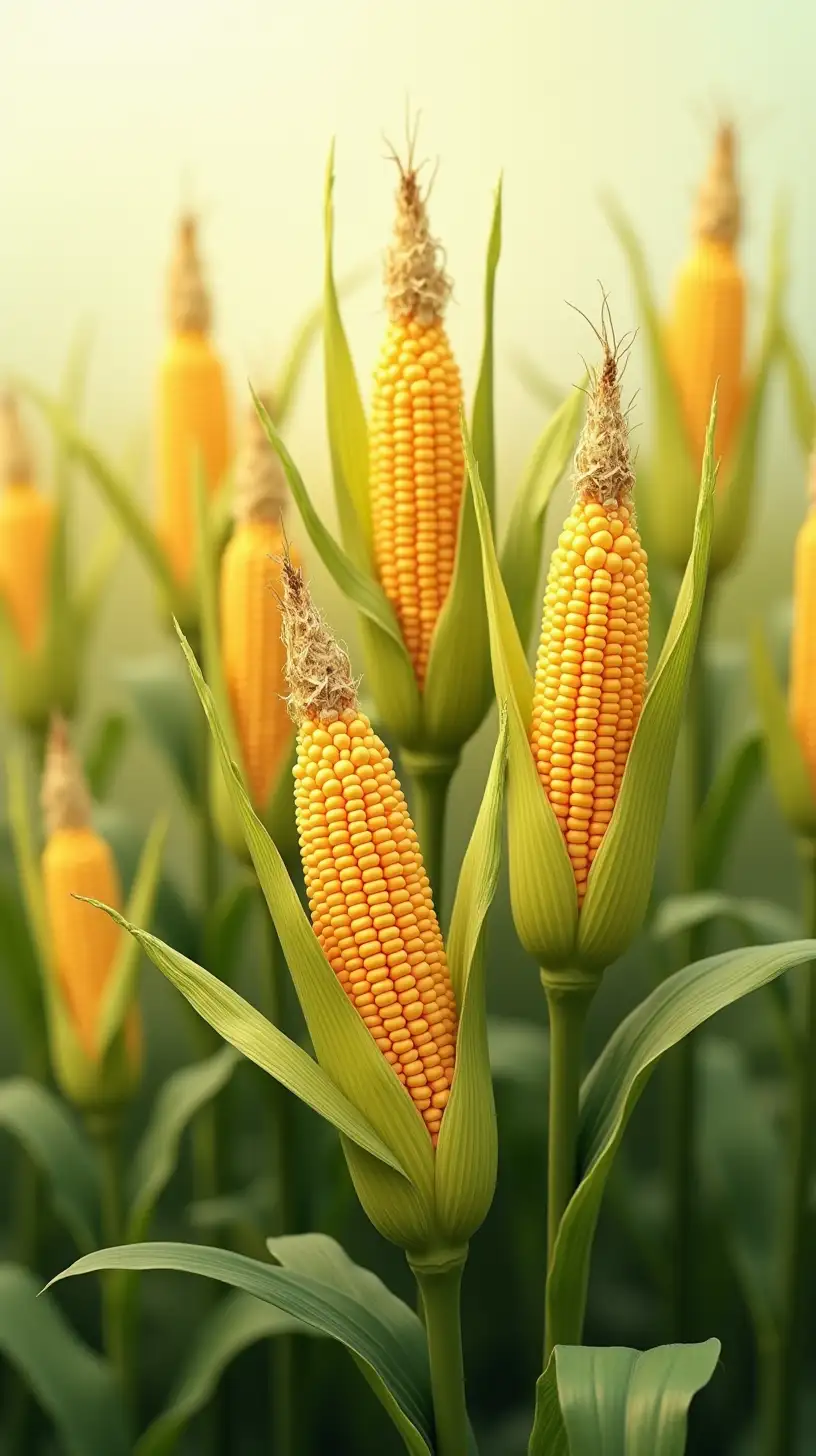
620 880
121 986
620 1402
310 329
182 1096
789 773
677 1007
326 1309
75 1388
467 1151
725 803
758 919
458 683
166 708
103 756
51 1137
803 406
542 885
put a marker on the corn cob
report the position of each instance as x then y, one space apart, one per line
369 895
250 587
591 666
192 404
77 861
26 531
706 328
803 640
417 465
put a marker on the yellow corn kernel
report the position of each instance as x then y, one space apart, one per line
706 327
591 665
416 459
371 903
803 640
26 532
192 409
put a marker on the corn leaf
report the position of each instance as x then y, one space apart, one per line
617 1401
458 684
789 773
342 1042
28 869
467 1151
676 1008
235 1324
620 879
121 986
735 780
803 406
257 1039
759 920
225 926
182 1096
535 381
166 708
542 885
45 1127
20 972
74 1386
309 330
325 1308
348 432
521 553
103 756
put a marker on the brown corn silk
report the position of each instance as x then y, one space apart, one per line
591 666
369 894
416 458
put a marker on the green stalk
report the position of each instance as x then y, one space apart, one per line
430 777
567 1006
784 1389
105 1130
439 1292
682 1088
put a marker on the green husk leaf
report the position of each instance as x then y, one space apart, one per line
348 431
458 683
521 553
735 780
182 1096
72 1384
467 1150
789 773
620 879
677 1007
542 885
120 990
803 406
325 1308
47 1130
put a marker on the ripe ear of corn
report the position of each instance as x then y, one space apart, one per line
706 328
192 408
26 532
369 895
591 665
803 640
250 589
416 459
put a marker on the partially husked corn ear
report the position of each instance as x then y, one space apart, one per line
417 463
803 640
78 861
26 531
369 895
192 413
250 589
591 666
706 329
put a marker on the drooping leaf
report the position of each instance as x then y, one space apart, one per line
47 1130
183 1095
75 1388
758 919
322 1306
723 807
677 1007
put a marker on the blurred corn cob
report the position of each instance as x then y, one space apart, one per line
250 618
192 418
77 861
26 531
369 895
706 326
416 461
591 666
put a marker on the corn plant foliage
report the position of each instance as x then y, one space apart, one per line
47 1129
736 779
761 920
382 1332
617 1401
800 392
165 705
121 986
103 755
683 1002
786 764
75 1387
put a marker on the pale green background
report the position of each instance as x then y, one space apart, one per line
113 113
